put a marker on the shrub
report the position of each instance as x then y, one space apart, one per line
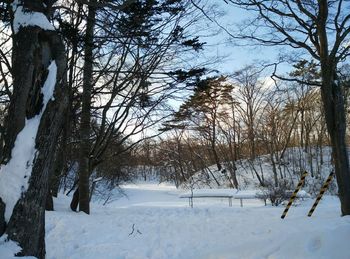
276 195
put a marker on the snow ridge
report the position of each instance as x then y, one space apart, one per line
15 174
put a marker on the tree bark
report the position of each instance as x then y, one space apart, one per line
27 223
33 51
49 202
333 100
2 218
85 145
59 163
334 107
75 200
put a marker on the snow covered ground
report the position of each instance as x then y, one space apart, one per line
152 222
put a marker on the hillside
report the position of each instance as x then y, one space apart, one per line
294 163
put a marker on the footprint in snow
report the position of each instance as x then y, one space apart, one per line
314 244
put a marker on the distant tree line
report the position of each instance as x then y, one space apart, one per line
245 116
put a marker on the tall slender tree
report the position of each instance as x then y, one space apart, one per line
203 111
84 165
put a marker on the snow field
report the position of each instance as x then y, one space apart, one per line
152 222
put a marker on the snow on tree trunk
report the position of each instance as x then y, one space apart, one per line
32 125
15 174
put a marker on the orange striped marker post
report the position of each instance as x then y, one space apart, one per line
322 191
294 195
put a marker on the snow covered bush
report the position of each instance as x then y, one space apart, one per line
275 194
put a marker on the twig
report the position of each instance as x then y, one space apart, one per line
133 230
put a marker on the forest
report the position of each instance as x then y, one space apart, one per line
96 94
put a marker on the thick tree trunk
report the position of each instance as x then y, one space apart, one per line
85 145
59 163
334 108
49 202
27 223
333 101
57 172
336 124
33 51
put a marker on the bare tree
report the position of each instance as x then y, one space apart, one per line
320 29
250 95
130 81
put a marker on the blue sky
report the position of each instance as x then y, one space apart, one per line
236 57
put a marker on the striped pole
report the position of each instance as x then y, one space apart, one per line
294 195
322 191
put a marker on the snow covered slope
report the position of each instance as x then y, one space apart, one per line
295 162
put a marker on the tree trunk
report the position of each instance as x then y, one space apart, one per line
84 157
216 156
2 218
33 50
336 125
49 202
59 163
75 200
334 108
274 170
27 224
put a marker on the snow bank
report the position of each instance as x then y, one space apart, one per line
15 174
23 19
